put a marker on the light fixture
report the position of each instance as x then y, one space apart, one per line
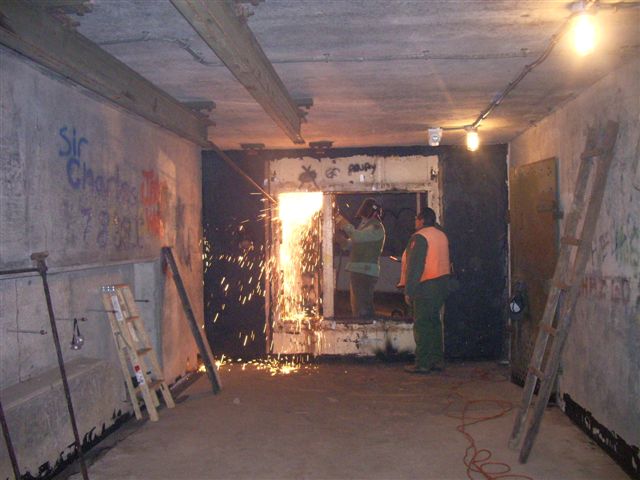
435 135
473 140
321 144
78 340
584 31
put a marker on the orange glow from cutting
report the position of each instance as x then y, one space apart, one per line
298 214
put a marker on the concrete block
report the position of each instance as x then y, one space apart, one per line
38 418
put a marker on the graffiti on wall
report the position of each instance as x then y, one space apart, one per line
154 197
626 244
307 176
614 289
80 175
622 243
362 167
114 211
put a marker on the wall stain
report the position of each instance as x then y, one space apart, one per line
625 455
154 195
46 471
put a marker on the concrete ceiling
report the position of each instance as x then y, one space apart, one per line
379 72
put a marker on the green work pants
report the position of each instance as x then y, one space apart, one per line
427 329
361 294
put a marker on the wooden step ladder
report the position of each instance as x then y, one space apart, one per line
135 351
575 250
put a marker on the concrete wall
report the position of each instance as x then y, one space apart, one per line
602 357
101 190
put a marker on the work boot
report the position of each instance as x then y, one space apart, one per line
416 369
438 367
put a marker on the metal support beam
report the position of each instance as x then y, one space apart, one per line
234 43
34 33
69 7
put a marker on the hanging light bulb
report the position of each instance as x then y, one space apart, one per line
584 34
473 140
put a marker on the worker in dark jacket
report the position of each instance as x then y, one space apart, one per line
426 270
366 242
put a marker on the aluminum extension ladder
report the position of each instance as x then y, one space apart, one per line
575 250
135 352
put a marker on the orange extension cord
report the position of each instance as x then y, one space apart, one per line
478 460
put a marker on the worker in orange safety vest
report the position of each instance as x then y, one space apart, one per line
425 275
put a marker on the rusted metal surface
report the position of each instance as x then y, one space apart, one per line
534 250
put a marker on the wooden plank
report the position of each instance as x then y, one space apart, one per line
203 347
76 7
537 372
35 34
234 43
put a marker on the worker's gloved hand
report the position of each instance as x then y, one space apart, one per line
341 240
341 222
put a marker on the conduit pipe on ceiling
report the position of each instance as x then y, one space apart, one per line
543 56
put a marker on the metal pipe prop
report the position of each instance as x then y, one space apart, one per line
39 258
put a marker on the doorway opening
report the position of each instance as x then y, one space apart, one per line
399 211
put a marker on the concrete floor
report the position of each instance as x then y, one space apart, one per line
347 421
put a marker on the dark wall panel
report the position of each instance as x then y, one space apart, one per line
234 243
475 211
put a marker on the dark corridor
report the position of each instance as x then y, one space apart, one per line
233 248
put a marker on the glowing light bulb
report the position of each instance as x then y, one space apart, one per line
584 34
473 140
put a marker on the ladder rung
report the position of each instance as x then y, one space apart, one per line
596 152
562 285
570 241
152 385
538 373
132 318
142 351
549 329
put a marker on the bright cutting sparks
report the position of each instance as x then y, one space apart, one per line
272 365
299 257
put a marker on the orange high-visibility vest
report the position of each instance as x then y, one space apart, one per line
436 263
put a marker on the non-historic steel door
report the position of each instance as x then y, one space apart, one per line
534 250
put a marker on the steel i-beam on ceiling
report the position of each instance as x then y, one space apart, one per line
235 45
29 29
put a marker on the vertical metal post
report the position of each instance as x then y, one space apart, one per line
328 276
205 351
7 441
39 258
